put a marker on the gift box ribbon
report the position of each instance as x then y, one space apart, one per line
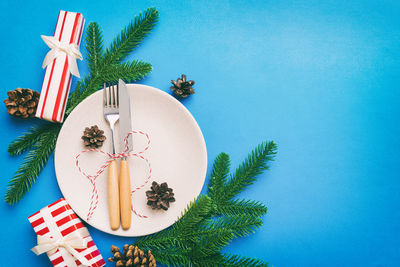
59 48
69 243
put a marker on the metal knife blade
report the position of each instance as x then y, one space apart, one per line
125 120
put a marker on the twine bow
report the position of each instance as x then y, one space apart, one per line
60 48
70 243
94 200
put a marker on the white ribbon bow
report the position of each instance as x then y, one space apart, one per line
59 48
71 243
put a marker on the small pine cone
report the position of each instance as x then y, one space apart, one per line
159 196
182 87
93 137
22 103
132 256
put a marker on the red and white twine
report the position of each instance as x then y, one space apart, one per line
94 198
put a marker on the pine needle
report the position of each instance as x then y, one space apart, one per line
131 36
94 47
28 139
33 164
170 257
195 213
240 225
253 165
218 177
105 69
129 72
242 206
240 261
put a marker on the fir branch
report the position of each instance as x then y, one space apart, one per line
213 260
28 139
162 241
246 173
195 213
33 164
218 177
239 261
129 72
240 225
242 206
171 257
94 46
214 241
131 36
84 88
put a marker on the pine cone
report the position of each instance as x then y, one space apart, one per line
132 256
22 102
182 88
93 137
159 196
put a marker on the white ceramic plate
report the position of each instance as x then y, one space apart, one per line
177 154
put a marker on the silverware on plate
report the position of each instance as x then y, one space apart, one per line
111 114
125 128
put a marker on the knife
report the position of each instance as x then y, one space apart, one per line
125 126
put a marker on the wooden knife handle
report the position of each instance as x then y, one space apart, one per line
125 195
113 195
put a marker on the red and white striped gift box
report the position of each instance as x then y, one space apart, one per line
57 79
58 220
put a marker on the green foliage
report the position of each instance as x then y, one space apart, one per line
193 215
130 71
219 175
241 206
33 164
246 173
239 261
240 225
131 36
28 139
94 47
212 221
104 67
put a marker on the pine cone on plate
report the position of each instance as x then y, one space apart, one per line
93 137
132 256
182 88
22 102
159 196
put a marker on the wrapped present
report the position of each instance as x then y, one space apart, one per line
60 63
61 234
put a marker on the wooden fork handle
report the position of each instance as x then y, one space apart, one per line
113 195
125 194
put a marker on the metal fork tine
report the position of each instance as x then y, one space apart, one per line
111 96
117 97
105 96
114 103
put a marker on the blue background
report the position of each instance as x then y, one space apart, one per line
321 78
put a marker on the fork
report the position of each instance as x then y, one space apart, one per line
111 114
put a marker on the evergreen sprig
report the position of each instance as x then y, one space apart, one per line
213 220
104 66
246 173
94 47
131 36
28 139
33 164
